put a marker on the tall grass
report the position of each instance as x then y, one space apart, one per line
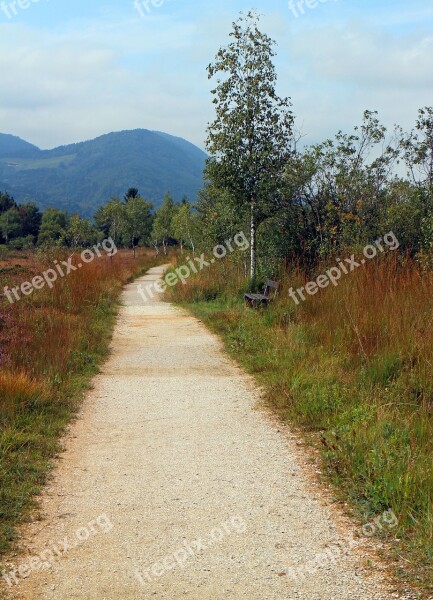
51 343
353 368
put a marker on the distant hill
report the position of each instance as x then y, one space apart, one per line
80 177
12 146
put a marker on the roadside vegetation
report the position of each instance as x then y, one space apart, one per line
51 343
352 369
351 365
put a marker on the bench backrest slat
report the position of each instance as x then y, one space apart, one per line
271 287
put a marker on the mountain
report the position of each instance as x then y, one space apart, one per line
12 146
80 177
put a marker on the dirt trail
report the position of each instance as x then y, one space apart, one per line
203 497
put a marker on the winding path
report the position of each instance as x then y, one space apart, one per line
173 485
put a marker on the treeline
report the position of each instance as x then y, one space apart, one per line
131 222
304 205
340 194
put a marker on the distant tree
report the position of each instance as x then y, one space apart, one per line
417 148
101 220
136 222
163 225
402 212
336 190
185 225
80 232
131 193
31 219
110 217
6 202
251 138
10 224
53 226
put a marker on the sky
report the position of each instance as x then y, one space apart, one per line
71 71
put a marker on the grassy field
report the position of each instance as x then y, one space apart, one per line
51 344
28 164
351 367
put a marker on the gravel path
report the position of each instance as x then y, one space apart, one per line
172 485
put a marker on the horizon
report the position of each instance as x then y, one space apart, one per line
99 136
76 71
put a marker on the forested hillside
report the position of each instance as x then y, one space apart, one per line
80 177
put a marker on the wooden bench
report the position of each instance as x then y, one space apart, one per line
269 293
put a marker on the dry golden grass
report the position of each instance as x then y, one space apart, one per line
353 367
50 345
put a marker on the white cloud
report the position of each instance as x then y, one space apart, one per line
333 73
62 88
367 58
124 72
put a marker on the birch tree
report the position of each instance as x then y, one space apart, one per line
250 140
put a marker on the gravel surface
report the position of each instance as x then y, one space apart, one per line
173 485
